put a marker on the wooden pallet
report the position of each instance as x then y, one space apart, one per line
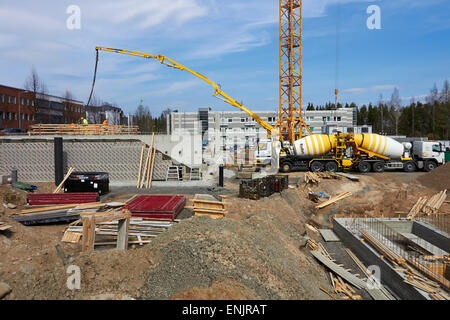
207 205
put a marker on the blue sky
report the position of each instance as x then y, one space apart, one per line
233 42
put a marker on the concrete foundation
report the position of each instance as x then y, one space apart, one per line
389 277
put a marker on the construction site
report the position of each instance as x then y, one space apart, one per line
179 216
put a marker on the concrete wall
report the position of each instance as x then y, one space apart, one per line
369 256
34 157
434 236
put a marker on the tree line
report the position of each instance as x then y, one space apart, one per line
430 118
147 123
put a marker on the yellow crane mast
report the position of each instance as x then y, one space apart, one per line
291 121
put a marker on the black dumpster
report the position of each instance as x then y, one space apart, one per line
87 182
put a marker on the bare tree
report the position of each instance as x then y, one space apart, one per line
68 113
36 85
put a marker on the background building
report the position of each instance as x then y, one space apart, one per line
114 115
57 110
17 108
237 127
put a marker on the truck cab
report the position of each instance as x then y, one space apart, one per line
428 154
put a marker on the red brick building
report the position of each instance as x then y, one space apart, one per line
20 108
16 108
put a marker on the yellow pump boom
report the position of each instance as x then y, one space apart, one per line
217 91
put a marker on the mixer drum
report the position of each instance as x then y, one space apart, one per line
315 145
380 144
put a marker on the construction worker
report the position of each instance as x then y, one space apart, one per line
84 121
105 123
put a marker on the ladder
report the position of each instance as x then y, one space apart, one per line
195 174
173 173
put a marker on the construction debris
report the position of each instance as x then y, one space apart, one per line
264 187
81 129
333 200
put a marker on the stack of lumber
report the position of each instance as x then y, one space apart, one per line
311 178
334 199
429 207
4 226
145 173
417 280
140 231
208 205
52 214
413 277
416 208
382 248
434 204
81 129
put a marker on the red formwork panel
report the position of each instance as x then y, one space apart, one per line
39 199
165 207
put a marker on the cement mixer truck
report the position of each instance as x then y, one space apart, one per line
361 152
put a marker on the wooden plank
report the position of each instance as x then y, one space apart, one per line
141 185
355 281
58 188
333 200
63 206
151 158
153 165
140 166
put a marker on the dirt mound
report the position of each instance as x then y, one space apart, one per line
10 195
437 179
257 257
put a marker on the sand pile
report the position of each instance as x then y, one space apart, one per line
438 179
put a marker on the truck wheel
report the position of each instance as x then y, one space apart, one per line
378 166
429 166
286 167
331 166
364 167
316 166
409 166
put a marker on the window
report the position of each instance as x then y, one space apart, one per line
32 104
2 115
14 116
324 119
349 130
27 117
2 98
436 148
21 116
242 119
8 116
230 119
365 130
22 101
8 99
13 100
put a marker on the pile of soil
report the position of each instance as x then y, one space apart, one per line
438 179
258 257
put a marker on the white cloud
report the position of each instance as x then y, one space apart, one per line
370 89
